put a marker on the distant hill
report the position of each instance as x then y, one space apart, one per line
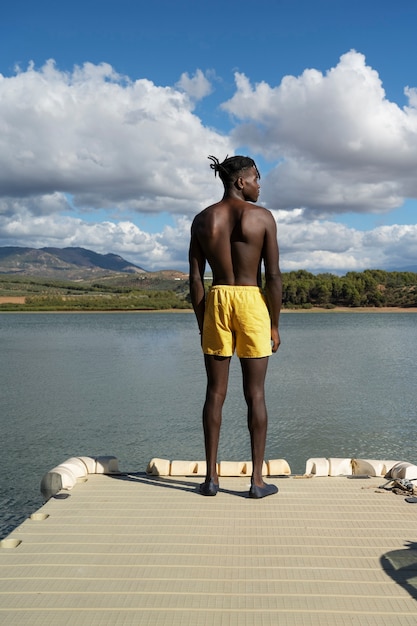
68 263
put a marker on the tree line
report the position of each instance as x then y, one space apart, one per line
370 288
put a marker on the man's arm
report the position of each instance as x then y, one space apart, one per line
197 263
273 280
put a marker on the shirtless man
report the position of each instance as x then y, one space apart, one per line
234 237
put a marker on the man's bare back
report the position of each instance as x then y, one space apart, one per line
231 235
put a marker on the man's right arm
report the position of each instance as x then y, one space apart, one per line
197 262
273 280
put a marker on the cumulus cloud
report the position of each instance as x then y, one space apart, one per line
324 192
197 86
85 154
316 245
148 250
104 139
339 144
323 245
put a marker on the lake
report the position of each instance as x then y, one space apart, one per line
132 385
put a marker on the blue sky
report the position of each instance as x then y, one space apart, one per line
108 111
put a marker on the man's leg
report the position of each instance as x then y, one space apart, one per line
217 369
254 372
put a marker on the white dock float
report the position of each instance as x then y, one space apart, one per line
140 550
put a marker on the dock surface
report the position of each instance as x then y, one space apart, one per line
150 551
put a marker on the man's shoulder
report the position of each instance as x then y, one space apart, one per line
258 207
238 208
208 210
259 211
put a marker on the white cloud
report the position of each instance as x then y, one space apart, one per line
89 145
323 191
340 144
322 245
47 204
393 245
124 238
104 139
197 86
316 245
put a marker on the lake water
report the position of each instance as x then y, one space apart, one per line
132 385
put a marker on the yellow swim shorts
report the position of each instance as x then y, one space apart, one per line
236 317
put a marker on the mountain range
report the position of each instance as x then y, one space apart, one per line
80 263
68 263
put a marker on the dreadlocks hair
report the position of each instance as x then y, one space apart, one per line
230 168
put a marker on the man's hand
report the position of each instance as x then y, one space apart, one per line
275 338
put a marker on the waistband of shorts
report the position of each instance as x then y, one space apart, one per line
236 288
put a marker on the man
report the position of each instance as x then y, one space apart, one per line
234 237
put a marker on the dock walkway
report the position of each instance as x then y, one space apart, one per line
138 550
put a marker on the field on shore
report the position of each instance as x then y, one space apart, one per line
12 299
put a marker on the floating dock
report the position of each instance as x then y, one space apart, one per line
133 549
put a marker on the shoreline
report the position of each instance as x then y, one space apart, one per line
357 309
313 310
